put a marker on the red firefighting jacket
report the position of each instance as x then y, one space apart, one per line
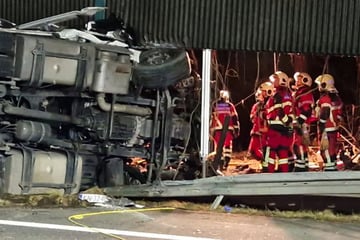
220 110
303 105
329 111
257 117
279 110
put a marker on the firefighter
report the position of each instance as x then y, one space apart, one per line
220 110
279 115
303 109
258 119
329 113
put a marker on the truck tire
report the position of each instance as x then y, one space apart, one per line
133 176
160 68
111 175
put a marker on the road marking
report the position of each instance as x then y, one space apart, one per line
100 230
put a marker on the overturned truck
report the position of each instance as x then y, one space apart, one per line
90 107
80 108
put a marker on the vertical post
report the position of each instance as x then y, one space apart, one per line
101 14
357 102
205 108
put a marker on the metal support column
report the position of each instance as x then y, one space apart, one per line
205 108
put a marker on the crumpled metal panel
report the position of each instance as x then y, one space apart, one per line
304 26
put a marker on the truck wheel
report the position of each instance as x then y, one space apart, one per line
160 68
111 175
133 176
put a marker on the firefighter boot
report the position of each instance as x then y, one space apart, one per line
306 162
331 166
227 161
291 162
222 165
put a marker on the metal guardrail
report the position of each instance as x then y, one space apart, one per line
310 183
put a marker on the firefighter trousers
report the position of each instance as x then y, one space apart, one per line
278 151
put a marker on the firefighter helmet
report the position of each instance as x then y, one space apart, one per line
302 79
280 78
259 95
267 89
224 94
326 83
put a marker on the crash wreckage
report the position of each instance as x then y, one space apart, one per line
84 108
78 108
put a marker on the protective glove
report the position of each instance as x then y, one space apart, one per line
305 136
324 143
236 132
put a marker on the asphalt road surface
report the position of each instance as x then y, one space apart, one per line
129 224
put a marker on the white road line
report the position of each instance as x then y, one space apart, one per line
102 230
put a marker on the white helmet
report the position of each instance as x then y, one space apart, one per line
302 79
259 95
326 83
280 78
267 89
224 94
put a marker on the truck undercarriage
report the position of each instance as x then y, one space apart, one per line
81 108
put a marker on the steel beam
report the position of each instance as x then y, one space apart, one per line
205 108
